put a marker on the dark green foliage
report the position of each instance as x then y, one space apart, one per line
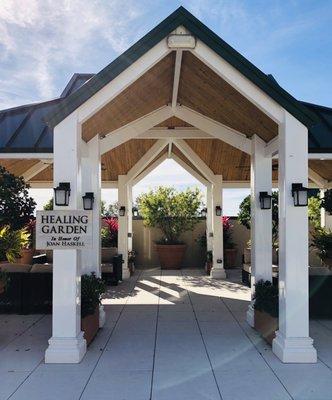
16 206
49 205
322 242
92 288
171 211
266 298
327 201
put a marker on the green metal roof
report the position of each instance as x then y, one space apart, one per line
182 17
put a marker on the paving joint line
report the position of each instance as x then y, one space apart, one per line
155 339
257 349
108 339
204 344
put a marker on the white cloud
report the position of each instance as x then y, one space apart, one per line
39 39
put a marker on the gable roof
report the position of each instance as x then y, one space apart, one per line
182 17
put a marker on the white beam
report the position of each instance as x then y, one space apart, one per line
214 128
242 84
195 159
321 182
190 170
31 156
320 156
148 157
149 169
135 128
36 169
123 80
272 147
176 81
177 133
169 151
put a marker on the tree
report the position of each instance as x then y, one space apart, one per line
171 211
327 201
244 215
16 206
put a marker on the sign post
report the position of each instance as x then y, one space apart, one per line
58 229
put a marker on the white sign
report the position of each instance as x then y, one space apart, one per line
70 229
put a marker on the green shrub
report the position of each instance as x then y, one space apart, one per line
266 298
92 288
171 211
322 242
12 242
16 206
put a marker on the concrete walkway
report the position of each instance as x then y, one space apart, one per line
168 336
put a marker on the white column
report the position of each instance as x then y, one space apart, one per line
217 270
129 207
123 225
67 344
91 182
292 343
261 220
209 208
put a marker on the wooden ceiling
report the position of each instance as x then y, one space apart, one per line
322 168
18 167
150 92
204 91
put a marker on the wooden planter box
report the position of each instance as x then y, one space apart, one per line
266 325
171 255
90 326
230 258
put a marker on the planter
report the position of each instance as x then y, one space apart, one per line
2 287
208 267
230 258
107 254
247 255
26 256
90 326
171 255
266 325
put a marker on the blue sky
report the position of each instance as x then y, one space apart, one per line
43 42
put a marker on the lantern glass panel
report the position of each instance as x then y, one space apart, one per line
218 211
122 211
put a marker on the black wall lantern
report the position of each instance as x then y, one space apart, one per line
218 211
122 211
203 212
135 212
265 200
300 195
61 194
88 200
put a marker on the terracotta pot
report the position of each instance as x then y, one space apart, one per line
26 256
230 258
266 325
90 326
247 255
107 253
171 255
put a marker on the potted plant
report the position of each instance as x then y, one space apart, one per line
109 238
173 213
28 250
92 288
131 261
322 242
266 306
247 253
230 250
11 243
